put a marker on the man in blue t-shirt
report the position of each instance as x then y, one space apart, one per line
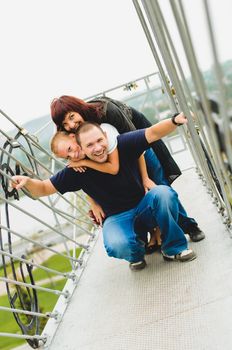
127 208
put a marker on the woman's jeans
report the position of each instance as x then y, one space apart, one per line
159 207
156 174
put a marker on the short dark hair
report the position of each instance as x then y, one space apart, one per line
84 127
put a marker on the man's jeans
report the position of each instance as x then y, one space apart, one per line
155 173
159 207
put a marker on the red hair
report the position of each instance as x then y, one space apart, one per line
64 104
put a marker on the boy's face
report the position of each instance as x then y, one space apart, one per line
69 149
94 144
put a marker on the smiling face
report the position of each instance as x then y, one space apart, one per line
71 121
94 144
68 148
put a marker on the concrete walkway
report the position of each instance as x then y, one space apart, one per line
168 305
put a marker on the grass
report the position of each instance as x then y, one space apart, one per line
8 324
8 268
55 262
47 300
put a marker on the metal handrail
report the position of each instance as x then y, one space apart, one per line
41 245
42 222
25 285
33 286
39 314
31 263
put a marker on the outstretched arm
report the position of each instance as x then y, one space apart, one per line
38 188
163 128
110 167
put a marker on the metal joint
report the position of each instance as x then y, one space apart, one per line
24 131
67 295
14 143
57 316
73 277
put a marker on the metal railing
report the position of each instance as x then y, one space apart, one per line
209 135
32 233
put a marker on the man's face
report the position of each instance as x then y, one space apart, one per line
95 145
69 149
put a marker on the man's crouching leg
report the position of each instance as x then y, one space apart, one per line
120 240
160 208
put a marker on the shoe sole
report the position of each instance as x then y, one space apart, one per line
138 267
184 259
196 240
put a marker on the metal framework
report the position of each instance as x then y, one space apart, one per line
208 137
212 151
67 222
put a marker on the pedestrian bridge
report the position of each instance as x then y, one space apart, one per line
169 305
58 289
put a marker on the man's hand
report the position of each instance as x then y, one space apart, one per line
19 181
148 184
181 119
37 188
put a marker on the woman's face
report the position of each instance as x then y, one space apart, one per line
72 120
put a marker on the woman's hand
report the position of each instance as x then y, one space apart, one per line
148 184
77 165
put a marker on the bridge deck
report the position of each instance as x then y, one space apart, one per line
167 305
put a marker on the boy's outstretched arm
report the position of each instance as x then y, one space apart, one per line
165 127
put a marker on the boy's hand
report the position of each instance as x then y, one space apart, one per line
77 165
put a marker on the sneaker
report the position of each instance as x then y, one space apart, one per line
185 255
139 265
195 233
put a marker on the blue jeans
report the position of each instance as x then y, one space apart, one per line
159 207
156 173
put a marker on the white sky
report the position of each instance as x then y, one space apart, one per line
81 47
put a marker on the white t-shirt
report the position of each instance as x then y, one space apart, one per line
112 134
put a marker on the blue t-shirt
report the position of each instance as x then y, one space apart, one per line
115 193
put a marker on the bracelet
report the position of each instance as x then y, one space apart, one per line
173 119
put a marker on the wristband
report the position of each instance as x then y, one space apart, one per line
173 119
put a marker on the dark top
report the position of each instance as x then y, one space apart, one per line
118 117
125 118
115 193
